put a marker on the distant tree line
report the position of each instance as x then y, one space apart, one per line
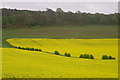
13 18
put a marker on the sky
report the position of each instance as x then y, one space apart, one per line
89 7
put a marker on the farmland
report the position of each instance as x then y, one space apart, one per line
58 32
46 65
97 47
97 40
32 64
73 42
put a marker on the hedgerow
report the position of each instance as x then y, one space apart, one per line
87 56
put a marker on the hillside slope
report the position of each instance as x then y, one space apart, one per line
31 64
76 47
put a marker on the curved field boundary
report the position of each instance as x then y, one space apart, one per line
84 43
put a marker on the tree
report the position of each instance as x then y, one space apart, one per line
59 17
27 48
113 58
13 18
81 56
19 47
57 53
91 57
39 49
67 54
86 56
22 48
104 57
32 49
51 16
110 57
59 10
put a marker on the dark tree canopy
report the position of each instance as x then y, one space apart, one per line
13 18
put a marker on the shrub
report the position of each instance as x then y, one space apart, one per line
22 48
110 57
37 49
67 54
27 48
15 47
104 57
91 57
32 49
57 53
81 56
19 47
113 58
86 56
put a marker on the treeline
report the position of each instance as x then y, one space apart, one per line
13 18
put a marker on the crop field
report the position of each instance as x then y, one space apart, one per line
19 63
97 40
29 64
96 47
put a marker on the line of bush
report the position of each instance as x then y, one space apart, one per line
27 48
66 54
87 56
105 57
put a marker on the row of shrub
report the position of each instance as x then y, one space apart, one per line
104 57
86 56
66 54
27 48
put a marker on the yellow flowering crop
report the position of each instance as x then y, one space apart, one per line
20 63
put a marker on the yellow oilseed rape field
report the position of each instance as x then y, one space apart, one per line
75 47
20 63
